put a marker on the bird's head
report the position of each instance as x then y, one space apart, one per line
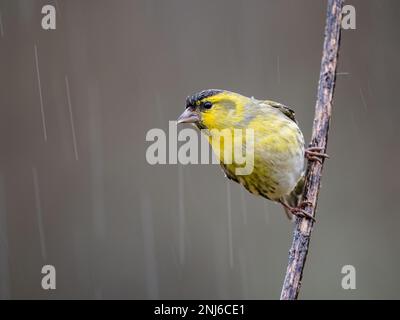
214 109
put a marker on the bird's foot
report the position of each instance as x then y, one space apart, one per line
299 210
315 154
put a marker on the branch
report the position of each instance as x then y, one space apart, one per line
323 108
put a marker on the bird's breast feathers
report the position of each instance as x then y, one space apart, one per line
278 155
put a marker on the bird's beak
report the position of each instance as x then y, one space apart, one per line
189 116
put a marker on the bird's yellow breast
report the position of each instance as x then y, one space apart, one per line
278 149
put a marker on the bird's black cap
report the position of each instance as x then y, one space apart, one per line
192 100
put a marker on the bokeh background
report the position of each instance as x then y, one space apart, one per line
76 191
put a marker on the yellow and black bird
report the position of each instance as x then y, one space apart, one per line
279 151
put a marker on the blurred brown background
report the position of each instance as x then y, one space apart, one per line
86 200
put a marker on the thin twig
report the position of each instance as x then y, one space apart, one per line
323 108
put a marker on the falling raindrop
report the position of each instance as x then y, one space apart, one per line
39 214
363 100
40 94
149 247
244 207
229 207
181 217
71 118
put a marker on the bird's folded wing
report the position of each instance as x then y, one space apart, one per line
282 108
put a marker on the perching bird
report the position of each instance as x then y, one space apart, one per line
279 152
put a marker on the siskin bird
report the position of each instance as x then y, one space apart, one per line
279 151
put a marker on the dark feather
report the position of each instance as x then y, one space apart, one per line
288 112
192 100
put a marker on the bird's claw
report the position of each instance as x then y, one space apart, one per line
299 210
315 154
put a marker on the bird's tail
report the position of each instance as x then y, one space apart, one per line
293 199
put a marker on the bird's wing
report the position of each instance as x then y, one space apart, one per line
282 108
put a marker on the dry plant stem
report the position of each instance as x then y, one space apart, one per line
323 108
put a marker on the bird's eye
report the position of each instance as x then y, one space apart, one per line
207 105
